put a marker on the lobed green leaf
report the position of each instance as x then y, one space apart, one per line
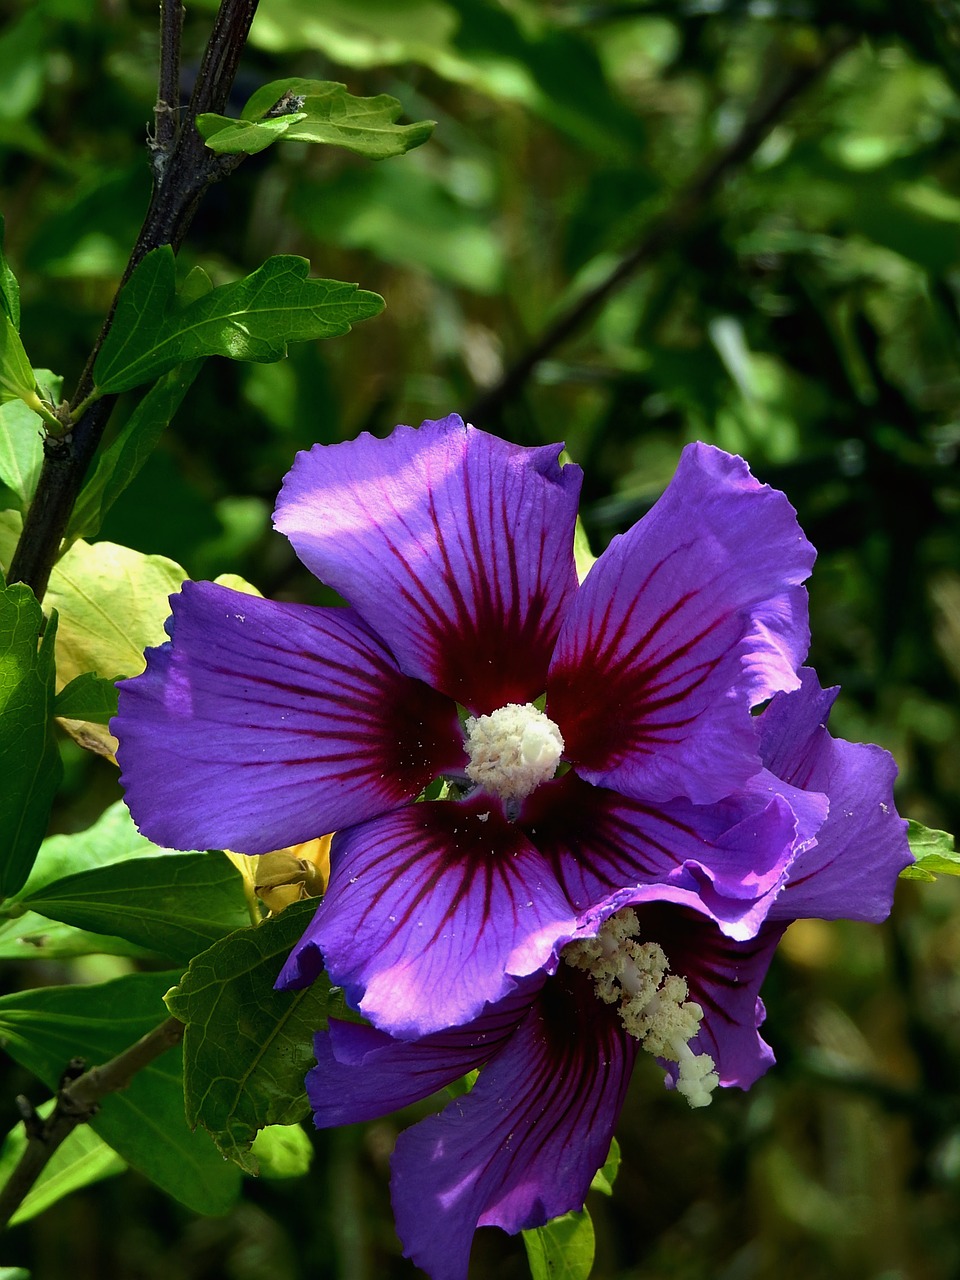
144 1123
247 1047
251 319
30 767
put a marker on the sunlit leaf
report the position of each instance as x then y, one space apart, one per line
33 937
605 1176
144 1123
934 852
81 1159
562 1249
16 372
30 768
282 1151
176 905
248 1047
251 319
112 838
21 440
113 602
316 111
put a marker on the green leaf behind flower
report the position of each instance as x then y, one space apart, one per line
605 1176
250 319
87 697
248 1047
563 1249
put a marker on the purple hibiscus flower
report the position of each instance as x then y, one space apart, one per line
261 724
649 969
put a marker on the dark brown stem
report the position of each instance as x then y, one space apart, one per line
178 188
78 1098
167 111
663 234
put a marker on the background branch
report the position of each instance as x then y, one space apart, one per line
78 1099
664 233
177 192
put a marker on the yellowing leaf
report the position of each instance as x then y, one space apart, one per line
113 602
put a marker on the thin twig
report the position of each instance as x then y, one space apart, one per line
663 233
190 170
79 1098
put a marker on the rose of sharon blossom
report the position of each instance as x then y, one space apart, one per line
261 725
649 969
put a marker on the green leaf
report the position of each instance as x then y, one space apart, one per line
316 111
223 134
606 1176
9 288
248 1047
282 1151
144 1123
87 697
251 319
113 838
563 1249
30 768
33 937
82 1158
120 463
934 852
176 905
21 441
16 372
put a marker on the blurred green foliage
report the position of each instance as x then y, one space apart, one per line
807 316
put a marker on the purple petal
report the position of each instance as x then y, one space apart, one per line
432 912
456 547
363 1073
733 855
682 626
524 1144
261 725
724 977
861 849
